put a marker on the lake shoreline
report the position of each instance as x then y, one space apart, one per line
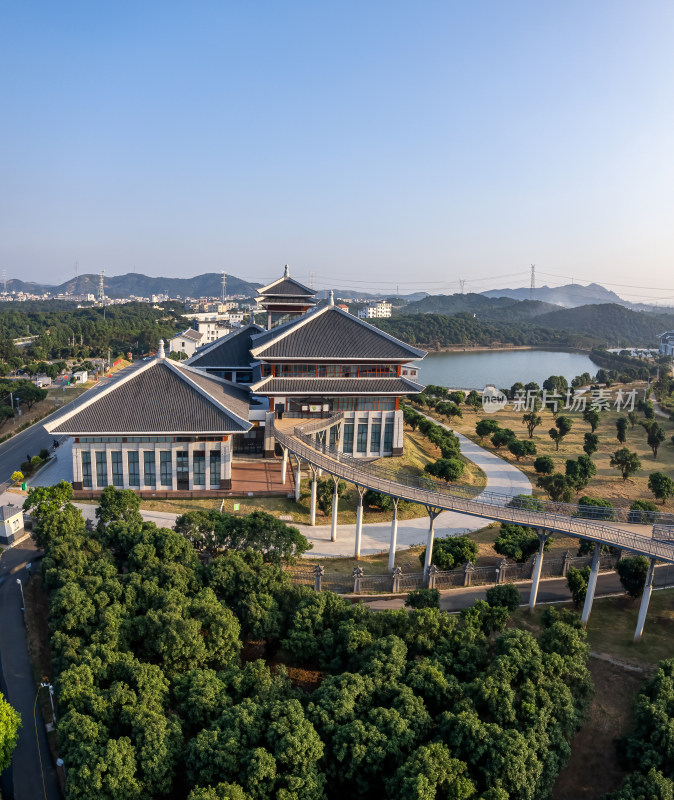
456 348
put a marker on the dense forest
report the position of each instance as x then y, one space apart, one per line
160 694
83 332
435 330
503 321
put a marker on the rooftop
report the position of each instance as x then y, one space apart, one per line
229 352
337 386
161 397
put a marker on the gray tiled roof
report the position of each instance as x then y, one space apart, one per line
9 511
332 386
328 333
160 399
232 350
286 286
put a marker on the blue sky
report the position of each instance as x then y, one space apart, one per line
373 143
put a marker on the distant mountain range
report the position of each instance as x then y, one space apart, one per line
569 296
207 285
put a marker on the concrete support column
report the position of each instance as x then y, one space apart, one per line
298 479
537 574
174 467
108 461
335 511
432 514
645 600
284 466
394 536
591 584
226 464
190 463
125 465
359 520
314 491
77 466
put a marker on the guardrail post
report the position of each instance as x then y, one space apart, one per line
357 575
394 536
314 489
645 600
431 576
397 575
359 519
537 573
335 510
284 466
591 584
565 563
468 570
298 479
319 571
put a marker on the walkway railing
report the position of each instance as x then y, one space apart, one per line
427 492
320 424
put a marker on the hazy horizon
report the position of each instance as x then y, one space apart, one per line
374 145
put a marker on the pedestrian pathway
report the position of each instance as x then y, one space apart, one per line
502 478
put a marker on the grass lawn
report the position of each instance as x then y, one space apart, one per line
377 564
607 483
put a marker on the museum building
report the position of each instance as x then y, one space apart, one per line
182 426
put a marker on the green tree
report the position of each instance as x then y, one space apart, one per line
516 542
559 487
577 580
423 598
474 401
448 469
502 437
451 552
119 505
521 448
506 594
591 416
544 465
10 721
661 485
457 397
562 427
431 772
626 462
642 511
632 572
581 471
591 443
633 417
17 476
485 427
621 424
30 394
325 491
655 436
532 420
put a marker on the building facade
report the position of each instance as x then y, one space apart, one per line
179 426
379 310
666 343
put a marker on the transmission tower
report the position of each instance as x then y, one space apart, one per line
101 287
224 287
312 276
4 281
532 288
462 284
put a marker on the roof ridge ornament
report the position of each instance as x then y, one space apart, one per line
286 271
332 297
161 353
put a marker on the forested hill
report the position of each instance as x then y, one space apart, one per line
437 330
207 285
501 308
614 325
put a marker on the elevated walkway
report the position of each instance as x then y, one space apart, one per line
436 497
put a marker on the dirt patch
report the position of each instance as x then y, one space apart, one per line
301 678
593 768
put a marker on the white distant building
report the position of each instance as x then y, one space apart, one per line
666 343
11 523
376 310
186 342
212 327
81 376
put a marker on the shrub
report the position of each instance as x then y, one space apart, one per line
544 465
451 553
632 572
506 595
643 512
423 598
577 580
595 508
44 454
517 543
17 476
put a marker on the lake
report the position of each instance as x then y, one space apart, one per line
474 370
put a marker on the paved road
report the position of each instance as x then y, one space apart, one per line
24 779
550 590
36 438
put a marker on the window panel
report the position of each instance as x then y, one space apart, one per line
149 468
86 470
